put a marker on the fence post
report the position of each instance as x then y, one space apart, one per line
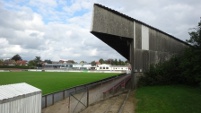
64 94
52 99
69 103
45 101
87 96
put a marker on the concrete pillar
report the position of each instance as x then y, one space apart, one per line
132 65
132 45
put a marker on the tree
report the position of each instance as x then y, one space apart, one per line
184 68
101 61
126 62
16 57
71 61
48 61
115 62
109 61
195 36
31 63
192 56
37 61
93 63
1 62
83 62
120 62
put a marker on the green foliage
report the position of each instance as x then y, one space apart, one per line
31 63
191 67
48 61
168 99
195 35
93 63
181 69
36 62
101 61
184 68
113 61
1 62
162 73
16 57
18 67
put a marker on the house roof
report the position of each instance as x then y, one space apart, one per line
21 62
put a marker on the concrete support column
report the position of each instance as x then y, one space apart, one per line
132 46
132 65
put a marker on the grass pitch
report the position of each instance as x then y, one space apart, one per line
50 82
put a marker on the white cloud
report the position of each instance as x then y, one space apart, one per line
93 52
78 5
3 42
60 29
44 3
14 49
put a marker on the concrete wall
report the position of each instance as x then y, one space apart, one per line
107 22
152 46
148 45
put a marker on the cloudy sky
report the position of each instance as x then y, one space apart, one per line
60 29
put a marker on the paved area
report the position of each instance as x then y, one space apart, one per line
95 95
113 104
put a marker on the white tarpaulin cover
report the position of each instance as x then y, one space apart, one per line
20 98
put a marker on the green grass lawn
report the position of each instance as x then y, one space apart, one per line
51 81
168 99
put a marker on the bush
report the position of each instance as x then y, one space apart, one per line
162 73
181 69
19 67
184 68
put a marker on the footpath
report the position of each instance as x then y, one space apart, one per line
95 95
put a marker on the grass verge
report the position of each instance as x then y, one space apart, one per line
168 99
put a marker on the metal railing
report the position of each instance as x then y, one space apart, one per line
93 93
52 98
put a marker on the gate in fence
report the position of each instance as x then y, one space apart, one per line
52 98
79 100
82 98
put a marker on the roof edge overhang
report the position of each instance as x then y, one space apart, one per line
140 22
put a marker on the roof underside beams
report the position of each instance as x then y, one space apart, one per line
138 42
120 44
113 29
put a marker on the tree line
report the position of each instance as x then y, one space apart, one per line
12 62
110 61
37 62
